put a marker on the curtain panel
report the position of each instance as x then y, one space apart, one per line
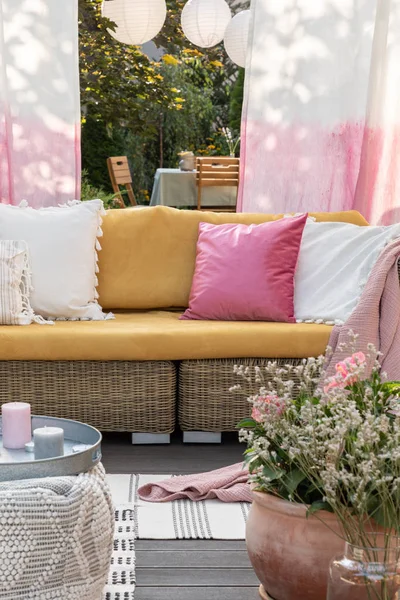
39 102
321 117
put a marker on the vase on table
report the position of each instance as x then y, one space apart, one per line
366 572
187 162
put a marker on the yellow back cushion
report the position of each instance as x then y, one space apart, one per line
148 256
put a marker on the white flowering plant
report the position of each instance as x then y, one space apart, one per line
231 140
332 443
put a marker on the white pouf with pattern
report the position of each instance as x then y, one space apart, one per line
56 537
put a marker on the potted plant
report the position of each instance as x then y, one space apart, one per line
324 462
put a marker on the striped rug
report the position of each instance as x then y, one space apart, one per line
121 577
181 519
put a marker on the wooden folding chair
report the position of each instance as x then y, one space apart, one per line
120 174
216 171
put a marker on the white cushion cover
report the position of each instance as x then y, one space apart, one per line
62 247
335 262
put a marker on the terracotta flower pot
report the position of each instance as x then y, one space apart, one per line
290 553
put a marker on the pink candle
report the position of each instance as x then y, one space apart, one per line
17 428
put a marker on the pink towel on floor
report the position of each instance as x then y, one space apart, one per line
229 484
377 316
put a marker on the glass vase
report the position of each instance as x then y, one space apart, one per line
370 572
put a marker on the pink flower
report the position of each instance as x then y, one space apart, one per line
267 406
280 407
256 414
332 384
344 369
346 372
358 358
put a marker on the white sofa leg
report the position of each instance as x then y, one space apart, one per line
202 437
141 439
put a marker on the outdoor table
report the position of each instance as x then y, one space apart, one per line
173 187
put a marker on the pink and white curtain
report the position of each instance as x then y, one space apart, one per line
39 102
321 121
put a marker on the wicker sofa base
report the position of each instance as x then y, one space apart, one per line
205 400
111 396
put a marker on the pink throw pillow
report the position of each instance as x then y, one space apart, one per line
246 273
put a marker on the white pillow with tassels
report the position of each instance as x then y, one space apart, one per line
15 284
63 245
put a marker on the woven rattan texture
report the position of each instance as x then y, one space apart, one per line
112 396
205 402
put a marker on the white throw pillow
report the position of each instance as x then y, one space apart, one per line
15 308
335 262
62 244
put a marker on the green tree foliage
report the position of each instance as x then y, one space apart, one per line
236 102
98 144
145 109
187 128
118 82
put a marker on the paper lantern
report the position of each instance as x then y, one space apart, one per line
237 37
204 22
138 21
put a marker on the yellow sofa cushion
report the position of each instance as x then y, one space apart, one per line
149 254
160 335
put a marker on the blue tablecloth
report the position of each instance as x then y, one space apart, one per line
176 188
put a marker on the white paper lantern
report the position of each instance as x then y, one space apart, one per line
204 22
138 21
237 37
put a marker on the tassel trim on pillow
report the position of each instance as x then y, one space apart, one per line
26 315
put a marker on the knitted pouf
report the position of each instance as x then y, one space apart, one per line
56 537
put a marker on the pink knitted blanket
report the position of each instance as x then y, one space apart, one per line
376 318
229 484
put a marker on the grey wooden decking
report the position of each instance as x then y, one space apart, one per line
184 569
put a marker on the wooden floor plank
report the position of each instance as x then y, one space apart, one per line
197 593
194 559
201 577
211 545
119 456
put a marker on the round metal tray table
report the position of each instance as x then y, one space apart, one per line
82 451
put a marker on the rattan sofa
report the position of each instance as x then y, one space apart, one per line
141 371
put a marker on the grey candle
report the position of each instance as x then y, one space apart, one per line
49 442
